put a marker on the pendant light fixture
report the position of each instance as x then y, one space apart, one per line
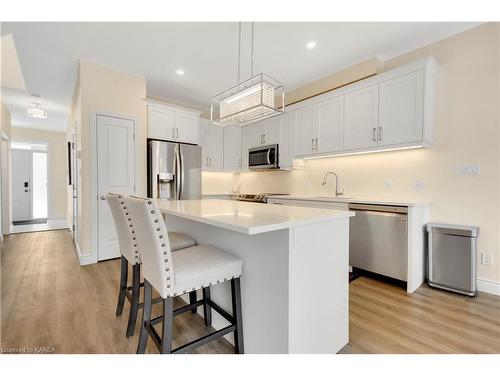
37 111
253 100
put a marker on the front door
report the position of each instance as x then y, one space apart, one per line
115 173
21 177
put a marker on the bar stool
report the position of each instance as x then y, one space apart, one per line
176 273
130 254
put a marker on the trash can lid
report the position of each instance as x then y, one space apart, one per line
457 230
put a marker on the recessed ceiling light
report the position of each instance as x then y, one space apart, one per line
179 72
311 44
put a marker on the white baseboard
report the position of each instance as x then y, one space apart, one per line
488 286
84 259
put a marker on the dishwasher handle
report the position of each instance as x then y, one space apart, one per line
378 208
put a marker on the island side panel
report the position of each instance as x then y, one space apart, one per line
319 287
264 283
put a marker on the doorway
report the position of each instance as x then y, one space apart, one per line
29 182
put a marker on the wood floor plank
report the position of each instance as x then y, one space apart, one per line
47 299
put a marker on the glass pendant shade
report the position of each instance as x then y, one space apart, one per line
37 112
258 98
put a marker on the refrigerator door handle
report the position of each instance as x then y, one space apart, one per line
177 172
181 169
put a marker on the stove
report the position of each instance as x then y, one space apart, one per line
256 198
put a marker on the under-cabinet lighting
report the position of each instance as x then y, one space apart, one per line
362 152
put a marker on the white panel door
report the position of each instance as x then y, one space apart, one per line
305 131
216 147
330 125
115 173
161 124
401 109
21 177
232 148
361 118
187 128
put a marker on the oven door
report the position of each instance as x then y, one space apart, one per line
263 157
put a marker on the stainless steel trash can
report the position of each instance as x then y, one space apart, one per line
452 257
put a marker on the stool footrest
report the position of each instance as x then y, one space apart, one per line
204 340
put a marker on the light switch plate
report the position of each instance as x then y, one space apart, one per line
418 185
486 259
468 170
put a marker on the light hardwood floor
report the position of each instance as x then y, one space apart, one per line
49 300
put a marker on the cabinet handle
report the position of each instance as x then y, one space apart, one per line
206 161
317 140
264 136
210 161
380 133
312 144
374 130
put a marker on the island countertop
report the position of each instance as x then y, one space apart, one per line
248 218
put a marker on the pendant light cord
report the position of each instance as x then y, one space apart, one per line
251 62
239 50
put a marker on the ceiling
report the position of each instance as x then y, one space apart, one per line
205 51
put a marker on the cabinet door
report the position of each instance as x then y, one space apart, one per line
272 130
305 131
286 145
232 148
205 144
161 124
216 147
330 125
187 128
360 118
401 109
258 133
246 140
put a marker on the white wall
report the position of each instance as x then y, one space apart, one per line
5 128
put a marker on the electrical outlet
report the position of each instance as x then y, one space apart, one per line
418 185
388 184
486 259
468 170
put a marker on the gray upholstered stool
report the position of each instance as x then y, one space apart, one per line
130 255
176 273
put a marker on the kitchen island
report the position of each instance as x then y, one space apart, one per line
295 270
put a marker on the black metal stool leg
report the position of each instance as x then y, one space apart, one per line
168 322
146 318
207 310
134 304
123 285
192 299
236 299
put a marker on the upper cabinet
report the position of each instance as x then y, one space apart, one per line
361 118
173 123
401 109
212 151
391 110
232 149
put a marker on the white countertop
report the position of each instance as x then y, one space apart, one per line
351 200
248 218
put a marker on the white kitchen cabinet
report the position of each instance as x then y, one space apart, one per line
401 104
361 118
247 133
173 123
212 150
187 128
161 123
304 130
272 130
286 144
232 149
319 128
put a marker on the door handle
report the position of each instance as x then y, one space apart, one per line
380 133
374 130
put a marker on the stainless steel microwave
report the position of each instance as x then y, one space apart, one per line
263 158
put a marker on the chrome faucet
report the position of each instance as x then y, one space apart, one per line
337 190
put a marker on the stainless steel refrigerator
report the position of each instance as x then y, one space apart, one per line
174 170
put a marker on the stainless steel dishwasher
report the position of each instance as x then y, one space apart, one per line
378 239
